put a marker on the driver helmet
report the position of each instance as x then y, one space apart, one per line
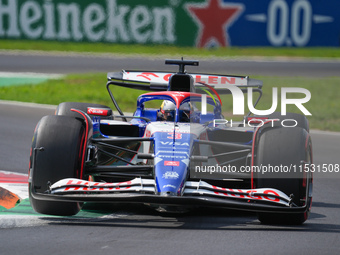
168 110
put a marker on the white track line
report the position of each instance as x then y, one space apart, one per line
24 75
25 104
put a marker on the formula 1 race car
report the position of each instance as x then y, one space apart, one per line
175 152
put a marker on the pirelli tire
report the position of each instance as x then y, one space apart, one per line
288 119
57 148
287 148
65 109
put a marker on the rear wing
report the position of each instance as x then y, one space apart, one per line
180 81
159 81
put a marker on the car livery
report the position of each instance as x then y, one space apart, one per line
168 158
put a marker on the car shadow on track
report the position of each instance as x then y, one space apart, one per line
136 216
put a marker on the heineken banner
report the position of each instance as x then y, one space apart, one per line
200 23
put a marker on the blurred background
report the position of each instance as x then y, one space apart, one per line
55 51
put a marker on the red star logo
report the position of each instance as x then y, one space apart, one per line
214 18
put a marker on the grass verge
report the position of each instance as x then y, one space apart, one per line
324 104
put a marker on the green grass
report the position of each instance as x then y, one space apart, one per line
324 104
173 51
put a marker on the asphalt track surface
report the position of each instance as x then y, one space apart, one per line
20 61
137 229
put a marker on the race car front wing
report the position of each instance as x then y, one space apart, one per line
195 193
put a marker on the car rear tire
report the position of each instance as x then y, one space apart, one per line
62 139
300 119
288 147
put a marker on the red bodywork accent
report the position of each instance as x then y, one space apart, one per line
213 90
97 111
146 75
305 175
86 136
171 163
178 97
